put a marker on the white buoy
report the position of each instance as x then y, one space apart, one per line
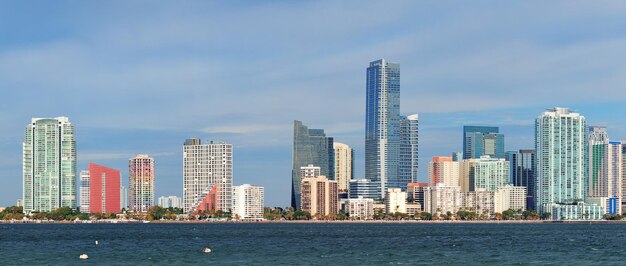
96 242
206 250
83 256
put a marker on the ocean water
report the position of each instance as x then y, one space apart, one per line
314 244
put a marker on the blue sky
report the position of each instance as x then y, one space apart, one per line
141 76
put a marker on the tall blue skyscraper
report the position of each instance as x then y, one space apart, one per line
310 147
409 155
479 141
522 164
382 123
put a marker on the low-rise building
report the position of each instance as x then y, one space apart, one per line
395 200
480 201
510 197
577 211
170 202
360 208
442 199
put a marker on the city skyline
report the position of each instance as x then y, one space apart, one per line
450 77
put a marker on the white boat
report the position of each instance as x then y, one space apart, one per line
83 256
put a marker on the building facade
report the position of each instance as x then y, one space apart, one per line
170 202
141 183
442 199
484 173
364 188
395 201
310 146
84 191
510 197
605 169
319 196
522 171
49 165
409 151
123 198
360 208
479 141
443 170
415 194
204 166
104 189
480 201
344 166
248 202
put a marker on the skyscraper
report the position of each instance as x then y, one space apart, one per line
561 163
104 189
409 151
479 141
382 124
84 191
248 202
485 173
141 183
49 165
205 166
522 171
344 166
605 170
319 196
443 170
310 146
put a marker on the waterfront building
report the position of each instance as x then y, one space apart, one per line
415 194
413 208
574 211
382 124
209 201
510 197
623 175
206 165
49 165
484 172
479 141
141 183
319 196
310 147
170 202
123 197
364 188
395 201
442 199
344 165
522 171
104 189
409 151
84 191
248 202
480 201
360 208
605 169
561 164
443 170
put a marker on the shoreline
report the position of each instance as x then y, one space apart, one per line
324 222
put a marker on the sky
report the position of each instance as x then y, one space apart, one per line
142 76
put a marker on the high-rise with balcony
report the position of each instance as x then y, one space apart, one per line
248 202
140 183
522 172
205 166
344 166
310 146
319 196
479 141
485 173
444 170
604 170
391 150
104 189
49 165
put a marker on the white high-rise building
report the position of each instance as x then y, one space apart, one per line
84 191
170 202
360 208
442 199
395 200
344 166
443 170
248 202
206 165
49 165
510 197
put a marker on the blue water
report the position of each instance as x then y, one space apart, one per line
314 244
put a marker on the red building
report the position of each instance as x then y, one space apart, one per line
104 189
210 201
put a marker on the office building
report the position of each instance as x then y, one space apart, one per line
443 170
360 208
510 197
522 172
409 151
205 166
395 200
49 165
484 172
248 202
104 189
310 147
84 191
561 163
170 202
344 166
364 188
141 183
319 196
480 141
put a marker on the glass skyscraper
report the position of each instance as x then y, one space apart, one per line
310 147
522 164
409 155
479 141
49 165
382 124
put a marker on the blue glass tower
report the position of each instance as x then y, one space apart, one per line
382 124
479 141
522 165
